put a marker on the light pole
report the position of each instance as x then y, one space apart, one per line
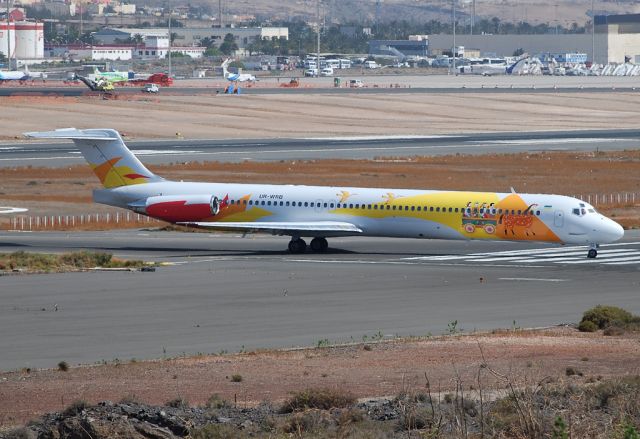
169 51
318 42
453 5
8 57
593 34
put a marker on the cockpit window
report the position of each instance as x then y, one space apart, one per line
592 211
579 211
576 211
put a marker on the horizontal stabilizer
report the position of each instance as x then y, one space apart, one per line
73 133
284 228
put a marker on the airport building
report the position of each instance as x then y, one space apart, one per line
415 46
617 37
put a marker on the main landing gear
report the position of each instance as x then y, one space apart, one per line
593 251
318 245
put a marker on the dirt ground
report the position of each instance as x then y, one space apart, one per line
368 370
313 115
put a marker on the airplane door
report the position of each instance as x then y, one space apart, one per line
558 218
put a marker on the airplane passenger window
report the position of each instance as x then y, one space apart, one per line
325 205
375 207
519 212
244 202
331 205
262 202
450 209
389 207
250 202
364 206
431 209
268 203
394 207
350 206
413 208
406 207
437 209
306 204
456 210
287 203
419 208
537 212
369 206
281 203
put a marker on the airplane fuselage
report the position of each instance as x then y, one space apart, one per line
428 214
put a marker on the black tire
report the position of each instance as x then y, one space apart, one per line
319 245
592 254
297 246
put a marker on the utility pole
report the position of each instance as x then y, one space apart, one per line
169 52
318 45
453 3
593 34
8 57
473 15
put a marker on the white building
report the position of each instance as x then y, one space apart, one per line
111 53
617 37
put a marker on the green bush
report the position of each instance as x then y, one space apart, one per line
63 366
603 316
324 399
587 326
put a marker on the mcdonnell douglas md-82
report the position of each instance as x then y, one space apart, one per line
321 212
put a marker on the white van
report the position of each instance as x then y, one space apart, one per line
356 83
371 65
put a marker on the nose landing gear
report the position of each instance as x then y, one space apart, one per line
593 251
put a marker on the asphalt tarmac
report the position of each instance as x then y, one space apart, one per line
222 292
234 150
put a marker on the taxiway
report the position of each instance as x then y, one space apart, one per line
219 292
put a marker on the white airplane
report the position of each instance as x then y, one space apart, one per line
240 77
17 75
321 212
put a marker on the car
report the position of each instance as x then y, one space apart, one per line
327 71
151 88
311 72
356 83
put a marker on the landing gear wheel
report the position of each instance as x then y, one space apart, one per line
297 246
319 245
592 254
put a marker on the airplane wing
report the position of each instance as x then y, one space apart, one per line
284 228
8 210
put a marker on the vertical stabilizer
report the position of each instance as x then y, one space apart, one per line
105 151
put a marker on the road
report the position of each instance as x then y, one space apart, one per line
222 292
234 150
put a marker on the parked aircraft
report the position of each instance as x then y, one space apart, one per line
114 76
321 212
240 77
18 75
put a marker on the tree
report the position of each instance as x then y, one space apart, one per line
228 45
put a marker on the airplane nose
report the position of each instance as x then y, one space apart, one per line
616 231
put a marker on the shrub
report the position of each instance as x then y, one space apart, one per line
236 378
75 408
218 431
604 316
63 366
613 330
587 326
215 401
178 403
571 371
324 399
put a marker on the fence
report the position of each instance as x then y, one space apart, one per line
623 198
89 221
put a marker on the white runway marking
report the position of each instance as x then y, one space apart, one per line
625 253
531 279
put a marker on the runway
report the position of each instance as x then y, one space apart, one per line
367 147
225 293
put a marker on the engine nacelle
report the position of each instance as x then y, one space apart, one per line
181 208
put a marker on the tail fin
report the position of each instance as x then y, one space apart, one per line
105 151
225 70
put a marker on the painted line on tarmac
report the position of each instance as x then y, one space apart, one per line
532 279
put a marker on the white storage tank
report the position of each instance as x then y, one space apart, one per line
10 34
29 40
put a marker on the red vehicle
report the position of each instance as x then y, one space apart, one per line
161 79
